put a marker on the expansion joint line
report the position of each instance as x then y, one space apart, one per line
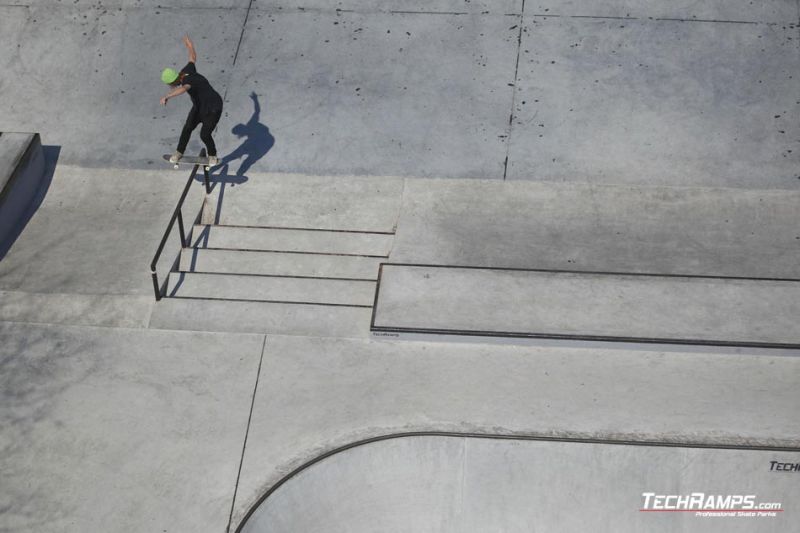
514 92
239 45
246 433
798 22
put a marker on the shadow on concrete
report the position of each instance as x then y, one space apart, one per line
257 142
40 366
51 154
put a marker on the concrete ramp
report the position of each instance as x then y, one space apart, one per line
705 310
465 484
22 169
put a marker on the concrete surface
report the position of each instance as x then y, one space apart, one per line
302 410
694 93
279 264
457 484
770 11
678 160
288 240
260 317
96 232
635 101
125 311
121 430
348 203
267 288
663 230
553 304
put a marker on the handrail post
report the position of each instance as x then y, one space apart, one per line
205 173
156 288
181 229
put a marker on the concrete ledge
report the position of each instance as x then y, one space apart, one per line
596 306
22 168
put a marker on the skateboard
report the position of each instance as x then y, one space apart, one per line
188 160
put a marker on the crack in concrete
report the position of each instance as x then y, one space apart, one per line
654 19
246 433
399 12
241 35
514 92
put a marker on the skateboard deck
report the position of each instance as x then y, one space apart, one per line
188 160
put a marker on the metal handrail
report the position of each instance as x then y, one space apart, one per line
177 215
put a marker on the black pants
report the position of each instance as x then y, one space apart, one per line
209 122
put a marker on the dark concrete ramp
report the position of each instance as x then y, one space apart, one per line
22 169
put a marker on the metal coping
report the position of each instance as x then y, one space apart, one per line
505 436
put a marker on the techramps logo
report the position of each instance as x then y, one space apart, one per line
705 505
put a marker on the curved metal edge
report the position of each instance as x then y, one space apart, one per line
499 436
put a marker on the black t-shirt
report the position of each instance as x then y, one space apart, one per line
204 97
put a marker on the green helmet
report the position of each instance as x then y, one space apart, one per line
169 75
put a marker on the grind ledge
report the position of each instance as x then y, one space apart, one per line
587 306
22 169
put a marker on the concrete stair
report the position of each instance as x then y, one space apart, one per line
274 280
335 242
282 289
279 263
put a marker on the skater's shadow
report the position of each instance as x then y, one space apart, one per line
257 142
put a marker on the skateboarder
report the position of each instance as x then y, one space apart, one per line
206 104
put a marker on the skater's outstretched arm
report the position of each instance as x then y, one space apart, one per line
175 92
190 47
254 119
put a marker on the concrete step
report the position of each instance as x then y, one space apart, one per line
292 240
261 317
272 289
300 201
279 264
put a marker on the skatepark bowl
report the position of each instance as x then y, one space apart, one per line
450 482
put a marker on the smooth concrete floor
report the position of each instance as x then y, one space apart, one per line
669 143
686 93
102 423
110 429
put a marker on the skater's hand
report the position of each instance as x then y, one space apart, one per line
190 47
163 100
